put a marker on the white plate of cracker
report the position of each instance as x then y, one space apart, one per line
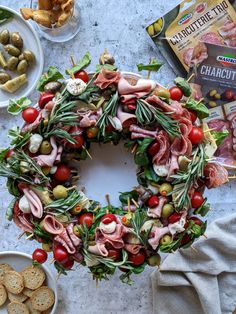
24 288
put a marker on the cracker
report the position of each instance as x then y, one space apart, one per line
17 308
13 282
28 303
28 292
3 269
3 295
17 297
43 298
33 277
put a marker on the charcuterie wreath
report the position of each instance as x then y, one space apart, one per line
172 147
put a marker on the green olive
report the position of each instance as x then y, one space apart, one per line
4 37
45 148
212 104
76 230
163 92
3 62
183 163
217 96
16 40
212 93
154 260
167 239
12 50
29 56
60 192
165 189
22 66
47 247
4 77
21 57
167 210
12 63
52 87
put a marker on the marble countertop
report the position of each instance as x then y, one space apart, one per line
120 27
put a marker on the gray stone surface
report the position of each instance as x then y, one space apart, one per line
118 26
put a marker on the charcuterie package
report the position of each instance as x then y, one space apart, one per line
180 30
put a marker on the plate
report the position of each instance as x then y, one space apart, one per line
31 42
19 261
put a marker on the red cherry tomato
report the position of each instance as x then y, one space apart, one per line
86 219
195 135
83 75
60 254
30 114
197 199
68 264
137 259
193 115
9 153
174 218
114 254
153 201
63 173
196 220
44 98
21 186
76 133
153 149
40 256
108 218
176 93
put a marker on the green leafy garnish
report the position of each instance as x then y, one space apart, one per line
9 212
154 66
219 136
83 63
5 15
203 209
124 196
199 107
184 86
18 139
16 106
12 187
51 75
109 67
3 153
141 156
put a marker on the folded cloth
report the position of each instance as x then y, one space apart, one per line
202 280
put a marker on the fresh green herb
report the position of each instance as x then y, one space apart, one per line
16 106
109 67
141 157
140 216
90 95
41 233
12 187
60 269
83 63
62 206
60 133
147 114
154 65
51 75
5 15
3 153
184 86
219 136
17 139
124 196
151 175
172 246
199 107
203 209
9 212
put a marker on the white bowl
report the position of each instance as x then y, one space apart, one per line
19 261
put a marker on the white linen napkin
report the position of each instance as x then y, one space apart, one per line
202 281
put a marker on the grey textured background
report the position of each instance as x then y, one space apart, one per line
118 26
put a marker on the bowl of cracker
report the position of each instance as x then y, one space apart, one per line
24 287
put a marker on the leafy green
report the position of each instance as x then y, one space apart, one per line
18 139
41 233
16 106
12 187
151 175
203 209
199 107
172 246
220 136
183 85
124 196
154 65
3 153
83 63
141 156
64 205
5 15
109 67
9 212
60 269
51 75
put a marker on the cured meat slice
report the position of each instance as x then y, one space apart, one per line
98 249
156 211
211 38
187 56
22 221
215 174
125 118
138 132
181 146
133 248
196 91
48 160
65 241
75 240
34 202
106 78
158 233
52 225
163 154
174 165
157 102
115 238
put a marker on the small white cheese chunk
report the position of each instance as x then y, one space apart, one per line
35 142
177 227
108 228
75 86
116 123
24 205
161 170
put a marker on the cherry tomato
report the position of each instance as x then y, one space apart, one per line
30 114
193 115
76 133
21 186
114 254
197 199
174 218
108 218
40 256
63 173
83 75
186 239
9 153
137 259
44 98
176 93
196 135
196 220
86 219
153 149
68 264
92 132
153 201
60 254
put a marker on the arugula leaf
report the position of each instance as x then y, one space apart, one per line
16 106
201 110
109 67
60 269
141 156
203 209
151 175
220 136
38 231
183 85
3 153
5 15
83 63
154 66
12 188
51 75
124 196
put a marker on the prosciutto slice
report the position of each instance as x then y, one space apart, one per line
156 211
174 165
196 91
34 202
64 239
22 222
106 78
181 146
157 102
125 118
59 152
115 238
32 126
138 132
52 225
48 160
158 233
163 154
133 248
75 240
98 249
215 174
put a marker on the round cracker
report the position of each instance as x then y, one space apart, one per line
28 292
13 282
17 297
30 307
33 277
17 308
3 295
3 269
43 298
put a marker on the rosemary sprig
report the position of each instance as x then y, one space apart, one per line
109 111
137 222
60 133
147 114
18 139
185 179
62 206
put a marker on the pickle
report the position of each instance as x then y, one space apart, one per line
4 37
12 50
3 62
12 63
4 77
13 85
150 30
